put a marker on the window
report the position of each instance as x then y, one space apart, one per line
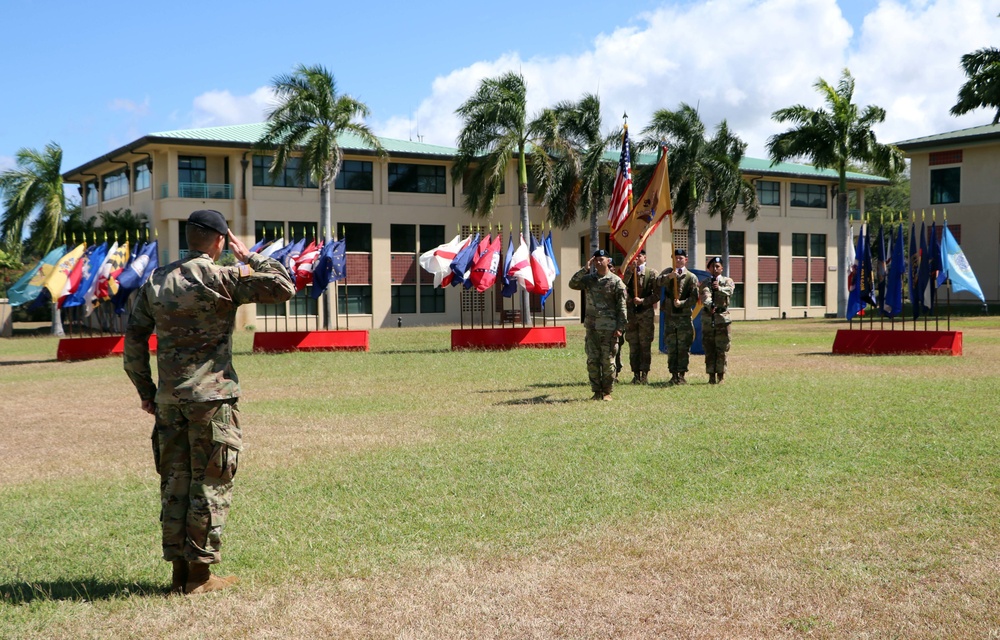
354 299
192 170
817 294
736 300
267 230
303 304
713 243
142 176
768 193
262 176
431 299
358 236
355 175
817 245
800 244
946 185
767 244
767 294
299 230
431 236
808 195
404 298
799 294
91 188
115 185
416 178
403 238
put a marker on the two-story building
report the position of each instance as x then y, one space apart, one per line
958 173
391 211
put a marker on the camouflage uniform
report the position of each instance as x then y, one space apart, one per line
191 305
605 314
678 326
715 323
641 328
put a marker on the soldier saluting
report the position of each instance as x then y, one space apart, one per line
191 305
605 320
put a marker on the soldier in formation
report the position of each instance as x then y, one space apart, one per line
681 296
643 294
191 305
716 291
605 319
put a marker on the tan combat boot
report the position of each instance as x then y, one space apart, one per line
644 377
711 378
201 580
680 379
719 376
180 577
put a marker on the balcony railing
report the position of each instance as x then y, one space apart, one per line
200 190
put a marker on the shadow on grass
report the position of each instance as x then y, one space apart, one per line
396 352
78 590
540 400
12 363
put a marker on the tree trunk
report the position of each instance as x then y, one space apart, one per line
692 241
57 327
326 231
725 246
525 229
843 248
595 236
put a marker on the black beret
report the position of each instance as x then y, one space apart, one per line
681 252
642 252
601 253
209 219
715 260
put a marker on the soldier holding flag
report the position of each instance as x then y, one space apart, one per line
682 295
642 298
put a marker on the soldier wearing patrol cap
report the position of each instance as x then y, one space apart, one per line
605 320
716 291
681 297
191 305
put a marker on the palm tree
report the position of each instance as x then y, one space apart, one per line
33 193
832 139
123 225
982 89
308 121
573 177
730 188
494 130
690 164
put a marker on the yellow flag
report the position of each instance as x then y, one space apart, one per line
647 213
60 274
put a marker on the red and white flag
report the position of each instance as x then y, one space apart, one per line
621 197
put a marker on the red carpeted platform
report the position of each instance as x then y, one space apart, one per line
97 347
281 341
877 342
508 338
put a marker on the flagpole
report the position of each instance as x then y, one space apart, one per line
944 222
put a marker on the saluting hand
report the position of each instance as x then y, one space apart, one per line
238 248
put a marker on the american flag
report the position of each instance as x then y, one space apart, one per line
621 197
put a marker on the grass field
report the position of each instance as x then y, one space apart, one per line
413 492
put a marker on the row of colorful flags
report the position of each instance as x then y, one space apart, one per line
928 265
308 262
85 276
474 261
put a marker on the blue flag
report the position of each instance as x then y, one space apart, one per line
881 262
135 274
31 284
331 266
893 305
509 282
854 299
934 254
923 275
90 270
956 267
913 271
867 281
462 261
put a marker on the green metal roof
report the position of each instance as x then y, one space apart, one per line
985 133
763 168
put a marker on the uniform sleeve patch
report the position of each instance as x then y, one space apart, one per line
246 271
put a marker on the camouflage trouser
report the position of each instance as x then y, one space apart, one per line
679 337
716 341
639 334
601 347
196 451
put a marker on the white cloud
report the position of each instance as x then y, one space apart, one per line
6 162
136 109
219 108
743 59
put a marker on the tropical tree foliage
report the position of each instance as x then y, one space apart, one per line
832 138
729 188
123 225
32 194
573 178
494 132
309 121
982 89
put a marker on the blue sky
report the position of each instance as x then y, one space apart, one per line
95 79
